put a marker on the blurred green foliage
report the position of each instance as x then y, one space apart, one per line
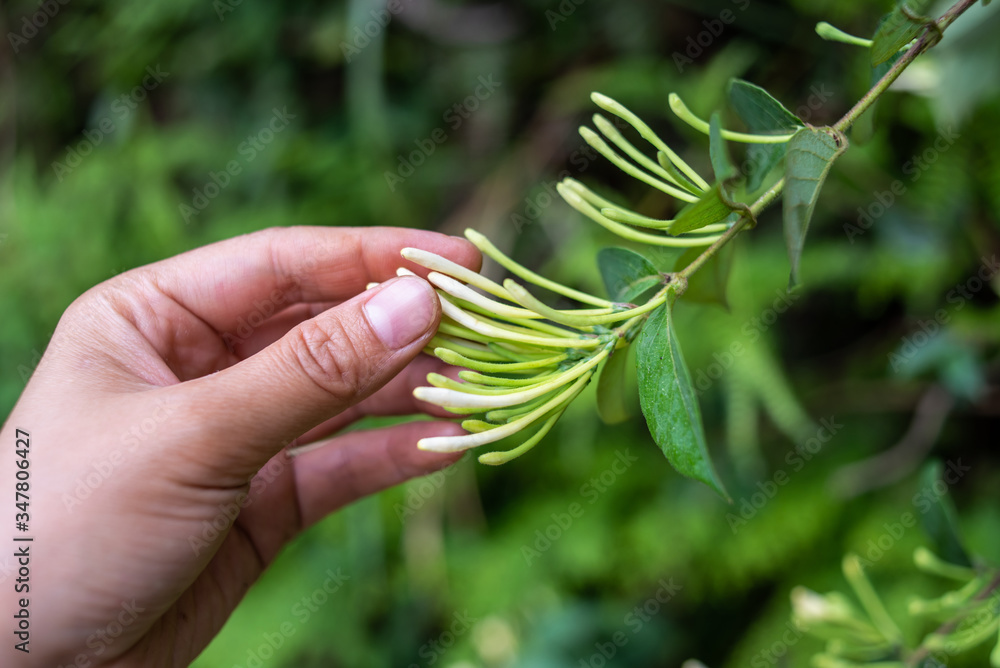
359 111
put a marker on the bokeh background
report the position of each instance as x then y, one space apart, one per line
96 173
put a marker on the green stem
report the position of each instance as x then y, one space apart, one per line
764 201
926 41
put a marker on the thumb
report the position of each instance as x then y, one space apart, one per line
248 412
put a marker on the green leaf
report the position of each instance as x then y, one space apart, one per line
880 70
763 115
709 209
938 519
721 164
613 388
627 275
708 284
669 403
759 110
762 158
897 29
664 258
811 153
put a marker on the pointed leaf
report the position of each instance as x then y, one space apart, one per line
721 164
627 275
763 115
811 153
762 159
709 209
614 390
759 110
664 258
668 400
897 29
939 518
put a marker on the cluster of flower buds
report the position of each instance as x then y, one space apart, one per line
869 636
669 174
523 361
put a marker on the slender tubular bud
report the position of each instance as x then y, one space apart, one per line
685 114
526 298
498 458
623 216
497 331
611 132
450 356
621 163
437 263
459 443
575 200
619 110
491 251
500 398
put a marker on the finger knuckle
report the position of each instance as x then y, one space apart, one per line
326 355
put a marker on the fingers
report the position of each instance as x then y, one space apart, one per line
323 366
365 462
396 398
250 340
235 282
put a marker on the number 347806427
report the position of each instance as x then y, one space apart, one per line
22 486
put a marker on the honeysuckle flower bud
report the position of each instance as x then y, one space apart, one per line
524 361
680 109
809 607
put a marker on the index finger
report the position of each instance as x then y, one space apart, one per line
223 282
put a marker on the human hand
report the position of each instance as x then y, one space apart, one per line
162 407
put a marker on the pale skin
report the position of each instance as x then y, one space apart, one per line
171 391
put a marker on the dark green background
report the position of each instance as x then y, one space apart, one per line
462 551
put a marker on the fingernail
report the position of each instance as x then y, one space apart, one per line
402 311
